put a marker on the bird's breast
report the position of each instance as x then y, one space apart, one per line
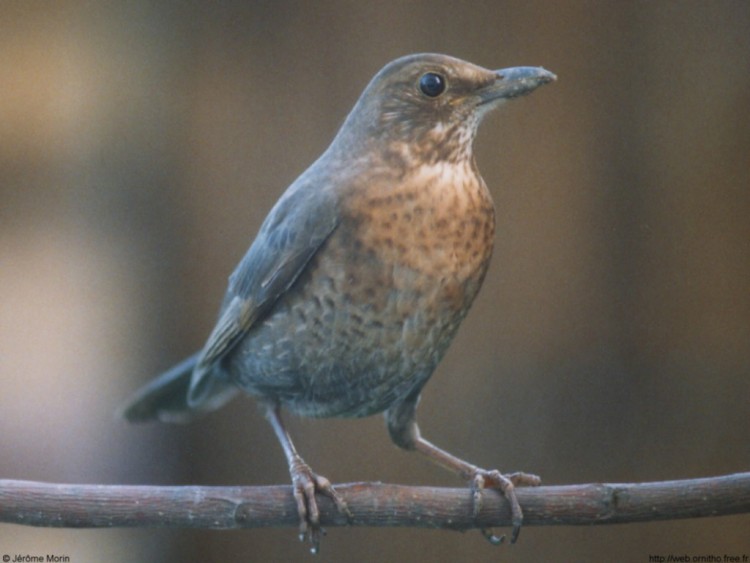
411 255
430 234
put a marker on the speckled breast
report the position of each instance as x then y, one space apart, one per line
374 311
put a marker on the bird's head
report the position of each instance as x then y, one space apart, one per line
432 104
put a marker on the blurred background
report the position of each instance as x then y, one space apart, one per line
142 144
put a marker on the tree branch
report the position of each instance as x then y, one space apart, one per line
372 504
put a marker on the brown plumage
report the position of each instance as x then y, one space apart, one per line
361 273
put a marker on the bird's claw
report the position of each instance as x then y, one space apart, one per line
305 485
506 484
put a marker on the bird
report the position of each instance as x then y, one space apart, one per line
360 276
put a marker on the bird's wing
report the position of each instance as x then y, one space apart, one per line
293 232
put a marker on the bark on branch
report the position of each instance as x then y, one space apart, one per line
372 504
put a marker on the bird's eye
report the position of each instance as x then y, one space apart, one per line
432 84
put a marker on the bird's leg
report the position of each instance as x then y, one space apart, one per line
404 432
481 479
305 484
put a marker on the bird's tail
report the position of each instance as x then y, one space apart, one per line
165 398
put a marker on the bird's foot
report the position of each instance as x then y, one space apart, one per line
306 484
506 484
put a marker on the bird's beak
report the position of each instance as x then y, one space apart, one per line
514 82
